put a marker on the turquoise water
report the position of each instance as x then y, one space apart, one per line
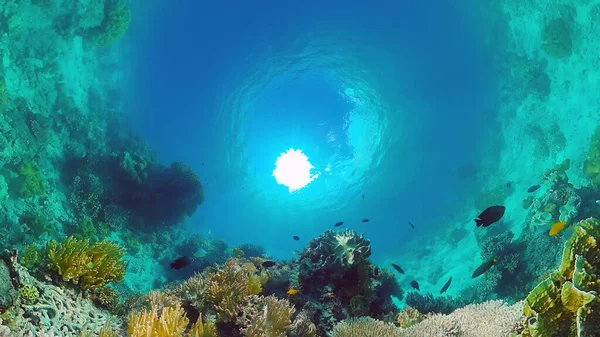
143 158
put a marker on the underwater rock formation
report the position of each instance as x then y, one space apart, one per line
566 303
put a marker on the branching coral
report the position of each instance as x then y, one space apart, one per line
88 266
266 317
426 304
489 319
566 302
350 248
224 290
364 327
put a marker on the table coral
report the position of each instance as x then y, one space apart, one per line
566 303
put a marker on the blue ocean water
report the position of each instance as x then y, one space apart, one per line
394 97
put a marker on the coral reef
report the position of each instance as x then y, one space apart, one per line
566 302
490 319
364 327
334 271
90 267
426 304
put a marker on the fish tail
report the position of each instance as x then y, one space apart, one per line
478 222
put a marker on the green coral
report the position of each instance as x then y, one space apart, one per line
85 230
556 39
29 294
91 267
116 21
31 182
31 257
37 223
566 303
591 167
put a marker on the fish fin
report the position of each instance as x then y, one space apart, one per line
478 222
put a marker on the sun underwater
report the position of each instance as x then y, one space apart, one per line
293 170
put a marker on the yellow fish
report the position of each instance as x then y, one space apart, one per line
557 227
292 291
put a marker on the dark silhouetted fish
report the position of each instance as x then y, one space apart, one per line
533 188
365 220
483 268
296 237
363 196
446 286
490 215
268 264
397 267
411 225
414 284
338 224
181 262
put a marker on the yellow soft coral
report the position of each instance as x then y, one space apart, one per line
228 287
88 266
171 322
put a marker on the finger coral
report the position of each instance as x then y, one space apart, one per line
88 266
566 303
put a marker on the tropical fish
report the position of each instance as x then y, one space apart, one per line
490 215
292 291
338 224
365 220
446 286
557 227
533 188
397 267
483 268
268 264
414 284
411 225
181 262
296 237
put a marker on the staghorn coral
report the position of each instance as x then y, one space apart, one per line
489 319
88 266
566 303
364 327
